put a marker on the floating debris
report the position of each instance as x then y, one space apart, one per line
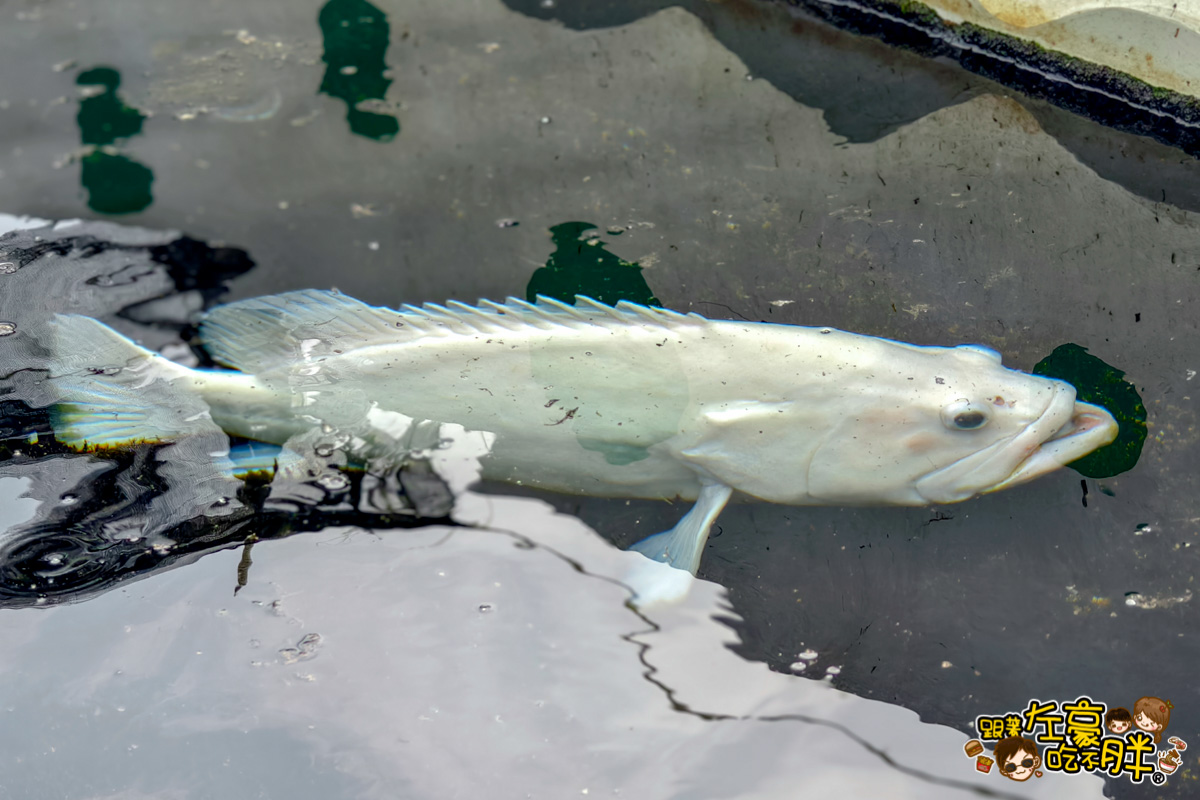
1137 600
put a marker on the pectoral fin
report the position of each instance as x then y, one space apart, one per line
682 546
677 551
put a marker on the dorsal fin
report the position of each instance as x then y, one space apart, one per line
263 332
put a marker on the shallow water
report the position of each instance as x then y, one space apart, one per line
754 165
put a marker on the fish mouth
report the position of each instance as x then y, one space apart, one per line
1089 428
1066 430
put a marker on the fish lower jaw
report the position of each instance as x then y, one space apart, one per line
1089 428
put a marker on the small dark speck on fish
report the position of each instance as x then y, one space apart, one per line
569 415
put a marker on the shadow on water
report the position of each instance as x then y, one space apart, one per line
356 41
116 184
868 89
93 529
92 539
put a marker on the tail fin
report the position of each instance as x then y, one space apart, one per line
111 391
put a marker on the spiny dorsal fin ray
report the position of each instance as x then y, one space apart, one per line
263 332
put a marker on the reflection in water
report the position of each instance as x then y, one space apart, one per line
356 41
862 101
90 505
580 265
94 536
116 184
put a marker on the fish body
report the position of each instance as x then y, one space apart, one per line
624 401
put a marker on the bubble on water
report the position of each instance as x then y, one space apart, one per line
8 328
305 649
54 559
349 69
69 499
545 120
8 268
333 482
324 449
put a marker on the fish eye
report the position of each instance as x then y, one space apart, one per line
963 415
969 420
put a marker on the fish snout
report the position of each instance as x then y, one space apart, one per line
1088 428
1065 431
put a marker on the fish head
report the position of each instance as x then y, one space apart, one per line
943 424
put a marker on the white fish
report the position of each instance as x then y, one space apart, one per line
624 401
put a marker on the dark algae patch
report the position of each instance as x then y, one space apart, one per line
116 184
1103 385
581 265
356 36
103 118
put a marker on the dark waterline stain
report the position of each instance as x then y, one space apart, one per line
116 184
582 266
1103 385
356 37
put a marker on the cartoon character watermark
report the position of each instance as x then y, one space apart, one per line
1018 758
1079 736
1152 715
1118 720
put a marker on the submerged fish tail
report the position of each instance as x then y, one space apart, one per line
112 392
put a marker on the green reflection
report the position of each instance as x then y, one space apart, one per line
356 41
1098 383
115 183
583 266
